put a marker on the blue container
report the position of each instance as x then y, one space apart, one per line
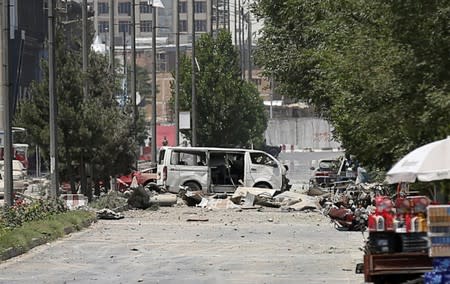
441 264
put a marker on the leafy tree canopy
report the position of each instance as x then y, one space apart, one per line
92 129
378 70
229 109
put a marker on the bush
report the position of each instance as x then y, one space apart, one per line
113 200
26 211
33 233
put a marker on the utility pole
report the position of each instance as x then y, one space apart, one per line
133 64
249 41
84 183
242 33
228 16
125 72
6 87
85 48
211 22
239 35
54 187
235 23
111 38
133 73
177 72
194 98
154 137
217 16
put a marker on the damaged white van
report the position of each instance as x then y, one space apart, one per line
219 170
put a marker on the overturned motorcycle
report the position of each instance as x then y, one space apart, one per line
348 219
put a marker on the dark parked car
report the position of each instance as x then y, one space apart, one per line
329 171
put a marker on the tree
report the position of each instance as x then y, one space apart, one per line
229 109
377 70
91 129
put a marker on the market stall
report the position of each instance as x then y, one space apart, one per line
409 237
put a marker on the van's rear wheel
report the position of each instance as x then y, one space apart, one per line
192 186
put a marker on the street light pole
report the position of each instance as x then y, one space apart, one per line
242 33
85 48
54 188
239 35
177 72
133 64
235 23
249 41
8 182
111 38
83 166
154 85
194 99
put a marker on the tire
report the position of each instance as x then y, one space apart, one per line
192 186
262 185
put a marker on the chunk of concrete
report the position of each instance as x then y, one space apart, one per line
306 203
213 203
241 192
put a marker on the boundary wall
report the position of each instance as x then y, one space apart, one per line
299 134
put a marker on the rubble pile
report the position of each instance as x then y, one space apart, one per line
242 198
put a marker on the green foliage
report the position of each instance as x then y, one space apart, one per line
379 71
112 200
23 211
22 238
92 129
229 109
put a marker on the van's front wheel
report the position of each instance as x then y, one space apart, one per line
263 185
192 186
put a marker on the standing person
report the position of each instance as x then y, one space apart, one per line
165 142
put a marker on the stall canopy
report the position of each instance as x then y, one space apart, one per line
427 163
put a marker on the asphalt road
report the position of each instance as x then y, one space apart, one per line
163 247
228 246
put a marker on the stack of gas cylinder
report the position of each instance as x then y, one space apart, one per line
407 215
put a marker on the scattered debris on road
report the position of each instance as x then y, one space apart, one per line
108 214
197 219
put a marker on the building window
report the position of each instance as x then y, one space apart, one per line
145 8
103 26
200 7
124 26
200 25
162 62
146 26
125 8
257 81
182 8
102 8
183 26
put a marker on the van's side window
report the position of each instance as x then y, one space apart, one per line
262 159
188 158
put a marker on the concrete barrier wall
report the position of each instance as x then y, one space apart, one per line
301 133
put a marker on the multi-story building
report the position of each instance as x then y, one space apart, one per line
165 19
209 17
27 32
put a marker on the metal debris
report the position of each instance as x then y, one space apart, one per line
108 214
